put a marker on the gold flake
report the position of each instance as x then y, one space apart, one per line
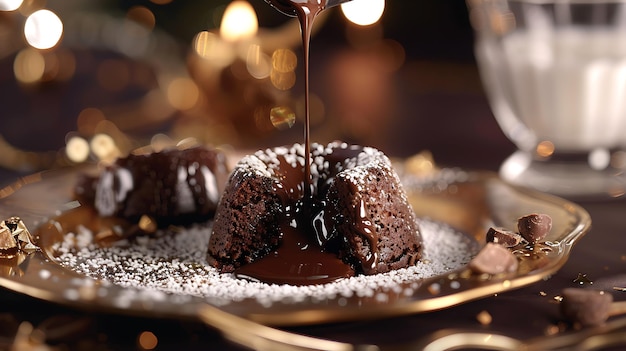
21 236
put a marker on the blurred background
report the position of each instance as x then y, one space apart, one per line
88 81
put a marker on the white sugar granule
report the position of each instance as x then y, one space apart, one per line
174 263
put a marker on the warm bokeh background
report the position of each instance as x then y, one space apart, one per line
110 85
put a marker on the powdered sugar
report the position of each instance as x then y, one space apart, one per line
174 263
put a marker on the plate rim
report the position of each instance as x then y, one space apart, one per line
302 316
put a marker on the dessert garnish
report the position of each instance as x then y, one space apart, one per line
582 279
15 237
587 307
8 246
503 236
494 259
534 227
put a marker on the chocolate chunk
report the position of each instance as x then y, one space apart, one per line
534 227
587 307
502 236
494 259
8 246
19 233
12 223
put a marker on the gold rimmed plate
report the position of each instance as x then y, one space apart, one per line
455 208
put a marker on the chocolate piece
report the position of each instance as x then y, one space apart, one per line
21 236
12 223
8 246
587 307
534 227
502 236
494 259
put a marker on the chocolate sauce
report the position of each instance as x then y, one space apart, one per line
308 253
303 257
300 260
307 11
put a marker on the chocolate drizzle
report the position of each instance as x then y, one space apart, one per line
300 260
305 254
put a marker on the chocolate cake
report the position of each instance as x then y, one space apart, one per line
358 215
171 186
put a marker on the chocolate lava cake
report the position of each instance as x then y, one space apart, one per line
359 211
171 186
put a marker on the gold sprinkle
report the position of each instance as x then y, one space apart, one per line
617 288
582 279
542 293
558 298
484 318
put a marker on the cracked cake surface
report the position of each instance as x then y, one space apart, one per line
358 213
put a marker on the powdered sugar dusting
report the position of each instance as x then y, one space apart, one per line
174 263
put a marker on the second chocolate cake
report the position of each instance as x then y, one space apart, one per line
358 218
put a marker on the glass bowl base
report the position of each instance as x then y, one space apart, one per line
572 177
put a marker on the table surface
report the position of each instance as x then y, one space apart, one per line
525 313
453 121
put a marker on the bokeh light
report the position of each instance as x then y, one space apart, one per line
283 80
239 21
618 160
282 117
599 159
363 12
29 66
182 93
142 15
10 5
43 29
147 340
211 47
545 148
284 60
88 119
104 147
258 62
77 149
